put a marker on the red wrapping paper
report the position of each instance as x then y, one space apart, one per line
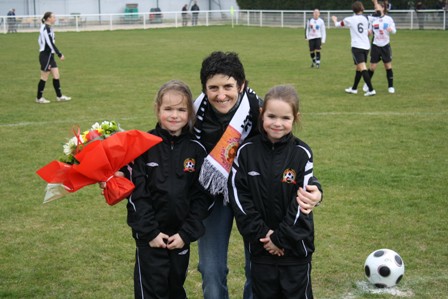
98 161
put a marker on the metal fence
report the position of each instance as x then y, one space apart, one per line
404 19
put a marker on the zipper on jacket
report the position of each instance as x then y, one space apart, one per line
172 166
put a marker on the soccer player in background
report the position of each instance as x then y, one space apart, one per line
315 35
381 29
359 31
48 64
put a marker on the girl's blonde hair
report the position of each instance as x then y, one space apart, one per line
182 88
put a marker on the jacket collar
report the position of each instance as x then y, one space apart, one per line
167 136
281 143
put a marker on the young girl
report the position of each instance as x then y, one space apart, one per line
166 209
263 183
47 49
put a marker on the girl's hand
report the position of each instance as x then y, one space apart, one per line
159 241
175 242
270 246
103 184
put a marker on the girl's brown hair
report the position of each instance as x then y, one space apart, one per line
286 93
182 88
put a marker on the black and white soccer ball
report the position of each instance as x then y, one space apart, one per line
384 268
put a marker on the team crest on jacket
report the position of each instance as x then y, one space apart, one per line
189 165
289 176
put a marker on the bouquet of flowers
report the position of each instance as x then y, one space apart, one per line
94 156
76 143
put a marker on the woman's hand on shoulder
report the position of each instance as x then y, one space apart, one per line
309 198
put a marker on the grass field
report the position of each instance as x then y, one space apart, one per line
383 160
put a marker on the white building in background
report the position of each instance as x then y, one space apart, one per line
67 7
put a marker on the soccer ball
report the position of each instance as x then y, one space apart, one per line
384 268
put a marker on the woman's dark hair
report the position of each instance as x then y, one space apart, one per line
227 64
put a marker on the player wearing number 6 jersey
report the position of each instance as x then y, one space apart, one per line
381 29
359 31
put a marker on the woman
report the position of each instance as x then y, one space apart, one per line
382 27
47 49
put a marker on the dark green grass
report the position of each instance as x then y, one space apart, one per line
382 160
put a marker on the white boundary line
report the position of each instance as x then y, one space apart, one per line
46 123
385 113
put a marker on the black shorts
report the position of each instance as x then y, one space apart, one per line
359 55
47 61
381 53
315 44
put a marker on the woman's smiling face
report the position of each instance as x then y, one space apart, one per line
222 92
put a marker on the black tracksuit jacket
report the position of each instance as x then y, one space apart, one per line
263 187
167 196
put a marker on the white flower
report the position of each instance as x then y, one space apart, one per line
70 146
96 126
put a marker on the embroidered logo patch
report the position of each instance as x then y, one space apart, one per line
189 165
230 151
289 176
152 164
253 173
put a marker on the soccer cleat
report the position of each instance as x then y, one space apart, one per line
391 90
317 65
365 88
370 93
312 64
63 98
42 101
350 90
